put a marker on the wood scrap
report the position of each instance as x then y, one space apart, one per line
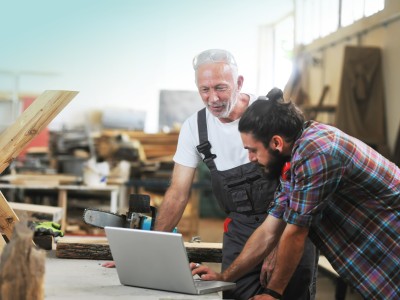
22 267
155 145
81 248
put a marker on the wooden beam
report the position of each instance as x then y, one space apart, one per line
8 218
13 140
30 123
99 249
204 252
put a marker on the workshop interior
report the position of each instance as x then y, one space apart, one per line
93 96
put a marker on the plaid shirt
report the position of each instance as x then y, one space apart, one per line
349 196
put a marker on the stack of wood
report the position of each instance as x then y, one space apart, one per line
159 148
156 146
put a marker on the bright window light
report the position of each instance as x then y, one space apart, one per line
318 18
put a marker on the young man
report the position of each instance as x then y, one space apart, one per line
337 190
239 186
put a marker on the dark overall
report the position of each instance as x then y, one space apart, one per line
245 194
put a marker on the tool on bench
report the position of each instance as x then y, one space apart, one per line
44 233
138 205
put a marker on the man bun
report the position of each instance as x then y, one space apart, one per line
275 94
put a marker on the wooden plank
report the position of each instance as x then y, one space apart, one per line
146 138
54 211
30 123
204 252
43 179
16 137
81 248
8 218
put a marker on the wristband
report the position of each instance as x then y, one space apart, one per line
272 293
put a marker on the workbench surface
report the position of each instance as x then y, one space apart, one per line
87 279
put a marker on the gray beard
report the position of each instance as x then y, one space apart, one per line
230 106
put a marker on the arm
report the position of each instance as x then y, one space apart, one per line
175 199
268 267
290 251
258 246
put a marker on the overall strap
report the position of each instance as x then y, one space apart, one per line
205 146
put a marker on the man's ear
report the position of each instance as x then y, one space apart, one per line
240 82
276 143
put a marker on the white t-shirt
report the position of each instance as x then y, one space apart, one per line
225 141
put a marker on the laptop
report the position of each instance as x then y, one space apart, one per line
156 260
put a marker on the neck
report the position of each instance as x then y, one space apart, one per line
237 112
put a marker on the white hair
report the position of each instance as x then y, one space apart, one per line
215 56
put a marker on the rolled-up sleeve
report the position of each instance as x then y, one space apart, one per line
313 181
281 202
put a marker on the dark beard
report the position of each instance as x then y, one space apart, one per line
274 167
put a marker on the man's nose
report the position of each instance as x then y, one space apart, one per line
252 157
213 96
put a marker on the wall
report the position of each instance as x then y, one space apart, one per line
326 57
122 53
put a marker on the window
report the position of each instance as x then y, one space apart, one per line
353 10
318 18
276 54
283 42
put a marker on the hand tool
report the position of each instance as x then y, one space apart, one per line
139 205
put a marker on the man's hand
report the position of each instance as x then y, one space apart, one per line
205 273
108 264
268 267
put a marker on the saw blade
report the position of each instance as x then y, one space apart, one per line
101 219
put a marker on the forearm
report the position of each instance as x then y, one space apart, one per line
175 199
259 245
171 210
290 251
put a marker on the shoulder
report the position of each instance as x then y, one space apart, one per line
192 119
246 99
319 138
253 97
